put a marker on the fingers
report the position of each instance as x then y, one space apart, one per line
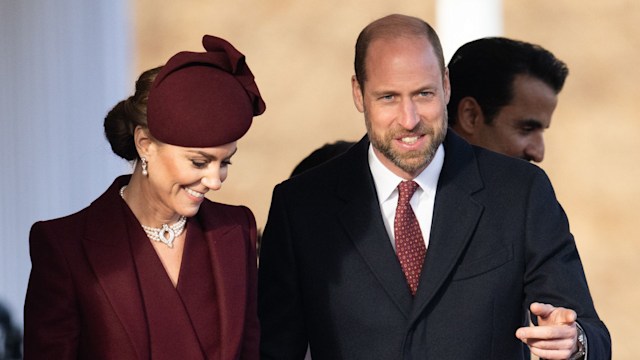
557 333
550 315
550 342
540 309
551 349
555 337
562 354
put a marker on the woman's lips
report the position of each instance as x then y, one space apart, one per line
195 194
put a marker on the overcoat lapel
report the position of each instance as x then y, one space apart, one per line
455 217
228 255
362 219
110 255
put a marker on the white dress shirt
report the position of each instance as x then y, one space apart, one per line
386 183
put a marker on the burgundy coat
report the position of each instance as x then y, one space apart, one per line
83 300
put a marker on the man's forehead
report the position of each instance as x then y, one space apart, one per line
388 46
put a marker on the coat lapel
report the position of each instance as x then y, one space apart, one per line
110 255
228 255
362 219
455 217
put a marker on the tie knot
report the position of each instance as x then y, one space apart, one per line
406 190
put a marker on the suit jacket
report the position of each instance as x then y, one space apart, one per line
499 241
83 300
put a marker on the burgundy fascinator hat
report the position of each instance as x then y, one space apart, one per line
204 99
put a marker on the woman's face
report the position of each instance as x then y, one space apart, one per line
180 177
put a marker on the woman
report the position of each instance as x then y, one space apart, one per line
152 269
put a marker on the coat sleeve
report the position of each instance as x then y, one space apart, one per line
251 340
51 312
554 273
280 309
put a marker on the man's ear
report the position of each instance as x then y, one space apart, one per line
358 97
143 141
470 116
446 85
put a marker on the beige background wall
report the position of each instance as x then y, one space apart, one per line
301 53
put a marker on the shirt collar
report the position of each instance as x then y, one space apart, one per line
386 181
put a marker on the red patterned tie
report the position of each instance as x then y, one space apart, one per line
410 247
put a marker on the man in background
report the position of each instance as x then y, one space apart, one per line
321 155
503 94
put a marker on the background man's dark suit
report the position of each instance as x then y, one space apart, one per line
499 241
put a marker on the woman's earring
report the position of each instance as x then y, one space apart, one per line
144 167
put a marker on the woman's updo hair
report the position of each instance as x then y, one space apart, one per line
121 121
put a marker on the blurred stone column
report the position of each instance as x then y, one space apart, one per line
64 63
460 21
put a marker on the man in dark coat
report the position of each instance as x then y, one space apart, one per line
357 266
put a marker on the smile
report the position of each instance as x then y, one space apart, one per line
410 140
194 193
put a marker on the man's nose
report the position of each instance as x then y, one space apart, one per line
535 149
409 117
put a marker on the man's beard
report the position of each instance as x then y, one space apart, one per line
411 162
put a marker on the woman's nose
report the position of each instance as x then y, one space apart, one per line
212 181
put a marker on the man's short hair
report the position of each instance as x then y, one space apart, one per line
485 70
389 27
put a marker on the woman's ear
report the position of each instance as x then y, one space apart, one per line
145 145
470 116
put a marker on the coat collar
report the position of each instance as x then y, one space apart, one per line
110 254
230 272
455 216
362 219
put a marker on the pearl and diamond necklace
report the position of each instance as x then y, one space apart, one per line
165 234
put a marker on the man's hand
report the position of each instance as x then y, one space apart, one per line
555 337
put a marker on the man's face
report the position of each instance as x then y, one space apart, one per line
517 129
404 102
